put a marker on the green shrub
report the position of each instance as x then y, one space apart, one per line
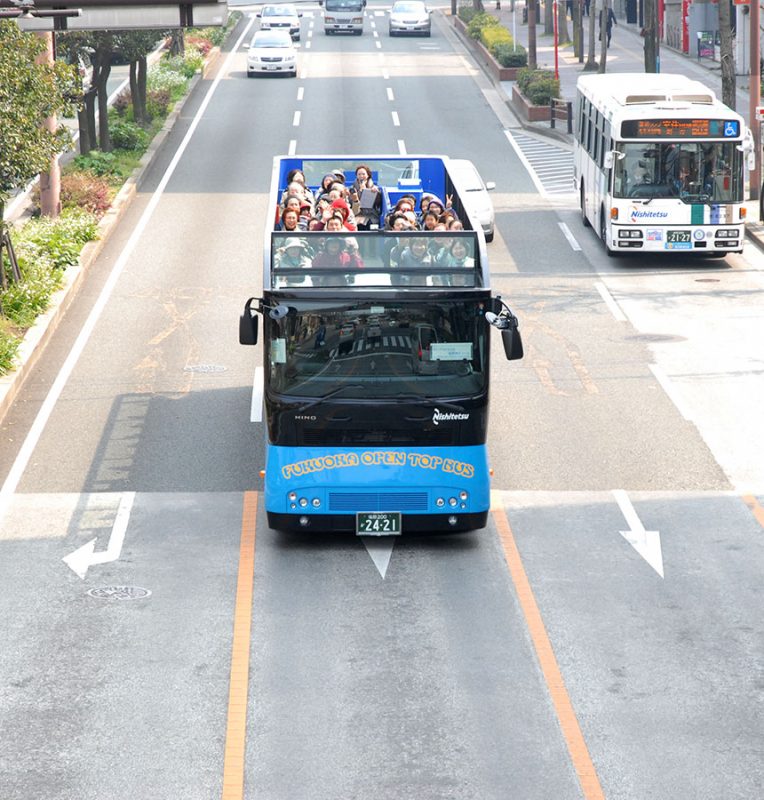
158 102
215 36
123 102
86 191
162 79
510 54
538 86
466 13
202 46
9 345
479 22
129 136
24 301
55 243
492 35
97 163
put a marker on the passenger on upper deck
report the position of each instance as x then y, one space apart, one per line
289 221
293 254
366 199
343 208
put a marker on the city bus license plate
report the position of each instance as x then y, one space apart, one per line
676 237
378 523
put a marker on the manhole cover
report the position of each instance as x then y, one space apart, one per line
119 593
204 368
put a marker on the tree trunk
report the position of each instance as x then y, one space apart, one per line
90 115
549 17
143 73
650 32
532 61
50 181
104 137
727 56
133 82
603 36
82 122
591 62
563 37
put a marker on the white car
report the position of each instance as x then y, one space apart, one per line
281 16
272 51
474 193
409 16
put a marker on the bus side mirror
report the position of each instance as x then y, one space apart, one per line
513 343
248 324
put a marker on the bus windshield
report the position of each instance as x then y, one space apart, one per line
386 349
344 5
696 172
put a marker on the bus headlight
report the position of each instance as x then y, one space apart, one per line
463 495
452 501
293 496
316 502
303 502
440 502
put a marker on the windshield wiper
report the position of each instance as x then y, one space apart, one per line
328 396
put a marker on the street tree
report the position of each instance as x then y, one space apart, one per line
30 92
136 46
603 35
591 61
727 56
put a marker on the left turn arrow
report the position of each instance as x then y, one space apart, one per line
84 557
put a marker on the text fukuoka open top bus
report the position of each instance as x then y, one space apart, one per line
660 164
376 376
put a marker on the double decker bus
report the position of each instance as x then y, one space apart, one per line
376 373
660 164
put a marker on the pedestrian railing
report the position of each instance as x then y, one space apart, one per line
562 110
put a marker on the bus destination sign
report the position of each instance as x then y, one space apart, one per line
680 129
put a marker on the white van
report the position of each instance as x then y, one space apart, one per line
344 16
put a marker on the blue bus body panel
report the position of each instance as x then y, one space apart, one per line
353 479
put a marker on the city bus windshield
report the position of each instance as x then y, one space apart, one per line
367 349
696 172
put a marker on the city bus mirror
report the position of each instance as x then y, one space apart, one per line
278 312
513 343
611 156
248 324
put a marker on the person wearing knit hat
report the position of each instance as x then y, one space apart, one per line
344 209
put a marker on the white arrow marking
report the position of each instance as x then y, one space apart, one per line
646 543
84 557
380 549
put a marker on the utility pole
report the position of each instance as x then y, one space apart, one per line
728 56
651 35
754 91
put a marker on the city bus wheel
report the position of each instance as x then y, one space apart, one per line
603 232
584 218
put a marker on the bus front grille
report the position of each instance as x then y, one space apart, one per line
350 502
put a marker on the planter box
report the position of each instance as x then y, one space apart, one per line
478 49
530 112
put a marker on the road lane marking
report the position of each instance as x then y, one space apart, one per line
256 409
668 388
566 716
236 726
646 543
300 93
753 504
527 164
390 95
296 119
569 236
610 302
396 120
46 409
84 557
292 147
401 147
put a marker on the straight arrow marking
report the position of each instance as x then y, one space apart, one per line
84 557
646 543
380 549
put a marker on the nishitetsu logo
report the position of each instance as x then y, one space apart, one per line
450 416
638 214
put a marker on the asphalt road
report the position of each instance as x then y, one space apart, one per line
601 638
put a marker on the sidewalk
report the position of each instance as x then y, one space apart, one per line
625 54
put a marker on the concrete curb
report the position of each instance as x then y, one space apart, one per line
38 336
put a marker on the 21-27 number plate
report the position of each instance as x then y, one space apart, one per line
378 523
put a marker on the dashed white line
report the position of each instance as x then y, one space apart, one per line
396 120
292 147
296 120
378 44
300 93
401 147
610 302
385 75
390 95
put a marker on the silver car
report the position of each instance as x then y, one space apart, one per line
272 51
409 16
474 193
281 16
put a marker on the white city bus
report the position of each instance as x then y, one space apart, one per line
660 164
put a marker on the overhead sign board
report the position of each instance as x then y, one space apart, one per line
123 14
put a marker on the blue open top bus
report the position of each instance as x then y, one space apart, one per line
376 374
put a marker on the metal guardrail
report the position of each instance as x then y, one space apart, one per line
562 110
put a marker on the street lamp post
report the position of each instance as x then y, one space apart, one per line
556 61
